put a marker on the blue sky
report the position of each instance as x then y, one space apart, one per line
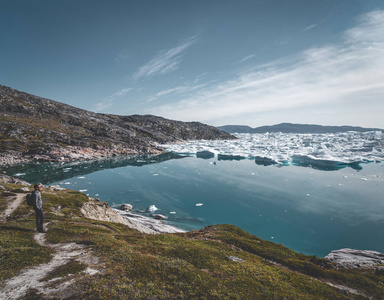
219 62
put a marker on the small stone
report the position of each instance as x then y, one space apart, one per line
234 258
159 217
126 207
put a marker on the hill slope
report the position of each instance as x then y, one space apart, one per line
294 128
36 127
105 260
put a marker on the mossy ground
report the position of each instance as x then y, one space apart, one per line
193 265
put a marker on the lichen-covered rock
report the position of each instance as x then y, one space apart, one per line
159 217
98 210
350 258
8 179
126 207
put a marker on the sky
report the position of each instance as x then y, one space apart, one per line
219 62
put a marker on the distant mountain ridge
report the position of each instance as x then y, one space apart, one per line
294 128
32 127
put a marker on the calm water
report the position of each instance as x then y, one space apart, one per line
310 211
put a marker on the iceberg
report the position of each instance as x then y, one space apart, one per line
331 151
152 208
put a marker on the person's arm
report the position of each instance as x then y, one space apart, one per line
38 201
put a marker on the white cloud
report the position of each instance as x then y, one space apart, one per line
310 27
179 90
351 72
246 58
108 101
165 61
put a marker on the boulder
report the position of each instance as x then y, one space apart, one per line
126 207
8 179
350 258
159 217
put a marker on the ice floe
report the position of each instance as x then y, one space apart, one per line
323 151
152 208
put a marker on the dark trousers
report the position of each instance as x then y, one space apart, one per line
39 218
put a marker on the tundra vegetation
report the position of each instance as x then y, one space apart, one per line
215 262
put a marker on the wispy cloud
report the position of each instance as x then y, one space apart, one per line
349 72
166 61
123 55
108 101
246 58
179 90
310 27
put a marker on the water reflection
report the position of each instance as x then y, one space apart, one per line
46 173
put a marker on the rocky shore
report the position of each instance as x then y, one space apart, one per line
101 211
68 154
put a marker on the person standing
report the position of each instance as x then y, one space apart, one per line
38 207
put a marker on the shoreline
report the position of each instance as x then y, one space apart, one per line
153 224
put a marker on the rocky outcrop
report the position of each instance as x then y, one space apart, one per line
98 210
35 128
350 258
126 207
8 179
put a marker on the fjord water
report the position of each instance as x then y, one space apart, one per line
308 210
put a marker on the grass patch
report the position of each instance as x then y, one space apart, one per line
18 249
72 267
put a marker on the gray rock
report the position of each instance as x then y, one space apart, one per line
350 258
126 207
8 179
57 188
159 217
234 258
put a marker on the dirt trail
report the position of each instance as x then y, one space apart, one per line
31 278
12 205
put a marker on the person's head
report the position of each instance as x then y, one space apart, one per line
38 187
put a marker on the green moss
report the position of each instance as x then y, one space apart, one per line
72 267
69 200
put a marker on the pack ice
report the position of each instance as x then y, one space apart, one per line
323 151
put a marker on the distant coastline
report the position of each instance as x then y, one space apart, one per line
294 128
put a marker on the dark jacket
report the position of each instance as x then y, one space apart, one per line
37 201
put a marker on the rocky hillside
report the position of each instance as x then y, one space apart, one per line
32 127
